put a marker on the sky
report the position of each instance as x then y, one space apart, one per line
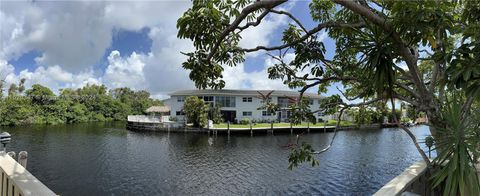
69 44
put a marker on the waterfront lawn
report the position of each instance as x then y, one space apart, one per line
264 125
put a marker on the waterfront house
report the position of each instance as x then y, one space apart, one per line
244 104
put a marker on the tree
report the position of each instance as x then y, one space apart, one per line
21 85
40 95
196 111
216 114
40 105
437 41
1 89
12 90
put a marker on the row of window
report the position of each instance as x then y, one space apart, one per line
249 113
264 113
226 101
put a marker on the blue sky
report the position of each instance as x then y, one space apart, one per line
133 44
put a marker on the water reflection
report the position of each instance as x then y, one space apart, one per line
106 159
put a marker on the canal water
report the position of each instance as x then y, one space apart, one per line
106 159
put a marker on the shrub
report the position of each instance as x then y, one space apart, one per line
245 121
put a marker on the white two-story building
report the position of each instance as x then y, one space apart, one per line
239 104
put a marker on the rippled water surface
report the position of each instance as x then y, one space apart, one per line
106 159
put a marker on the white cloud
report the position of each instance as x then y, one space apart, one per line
6 70
322 36
238 78
126 71
54 77
74 36
262 34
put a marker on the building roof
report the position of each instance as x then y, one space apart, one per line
158 109
280 93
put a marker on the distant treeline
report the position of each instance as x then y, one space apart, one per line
39 105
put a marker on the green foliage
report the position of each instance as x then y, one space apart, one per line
40 105
300 112
322 10
201 23
429 141
12 90
16 111
40 95
464 72
457 145
390 116
364 115
173 118
329 105
244 121
215 113
303 153
21 86
413 113
196 111
405 120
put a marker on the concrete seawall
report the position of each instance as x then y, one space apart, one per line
172 127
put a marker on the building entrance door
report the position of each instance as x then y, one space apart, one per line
228 116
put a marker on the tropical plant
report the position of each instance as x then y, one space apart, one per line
216 114
458 149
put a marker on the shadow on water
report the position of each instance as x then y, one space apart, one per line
106 159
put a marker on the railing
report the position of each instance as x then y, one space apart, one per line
144 118
17 181
412 180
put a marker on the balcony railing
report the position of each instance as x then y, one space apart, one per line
17 181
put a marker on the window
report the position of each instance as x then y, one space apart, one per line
208 98
180 113
310 101
247 99
247 113
180 99
283 102
224 101
265 113
266 100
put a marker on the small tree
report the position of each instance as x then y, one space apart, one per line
196 111
215 113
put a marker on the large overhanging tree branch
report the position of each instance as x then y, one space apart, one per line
371 39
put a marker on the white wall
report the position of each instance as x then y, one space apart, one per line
174 107
252 107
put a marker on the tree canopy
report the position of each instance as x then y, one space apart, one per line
39 105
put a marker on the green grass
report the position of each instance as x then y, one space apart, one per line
264 125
